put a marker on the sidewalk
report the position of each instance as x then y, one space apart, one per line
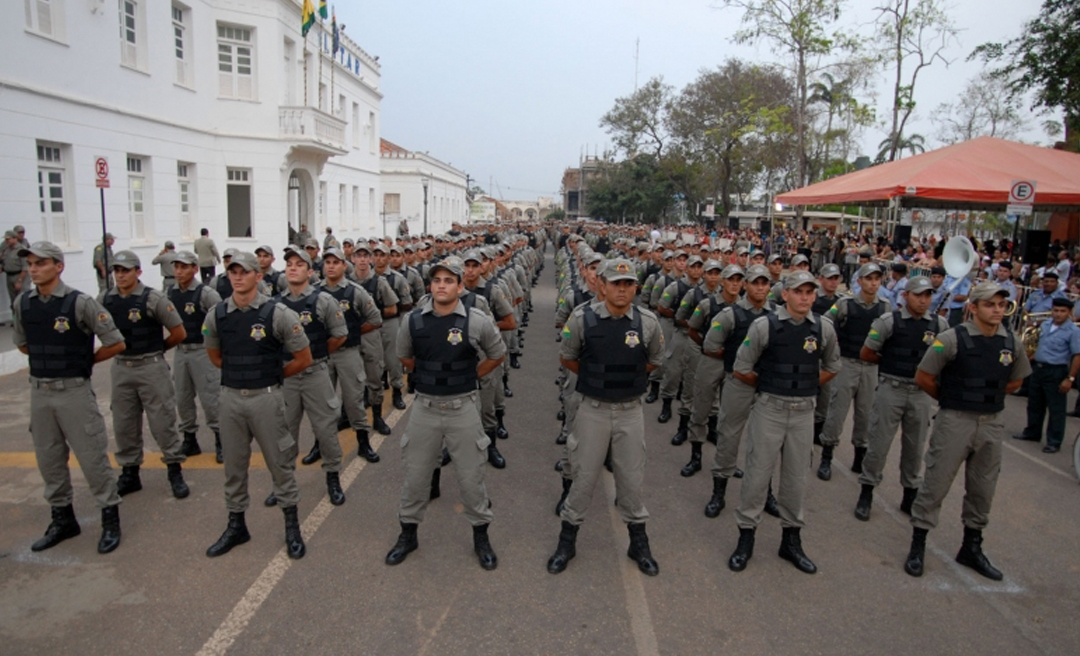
11 360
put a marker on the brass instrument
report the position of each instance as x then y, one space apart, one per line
1029 335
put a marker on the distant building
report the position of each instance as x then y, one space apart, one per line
404 174
575 184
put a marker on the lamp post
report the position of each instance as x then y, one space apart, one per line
424 181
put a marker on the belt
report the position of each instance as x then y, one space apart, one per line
445 403
1047 364
318 365
898 382
614 405
786 402
860 362
140 361
57 384
199 346
253 392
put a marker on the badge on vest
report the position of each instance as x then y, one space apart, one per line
1006 357
455 336
189 308
61 325
305 317
344 305
810 345
928 338
258 332
134 315
632 338
103 317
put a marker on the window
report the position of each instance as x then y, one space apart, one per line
52 192
371 202
185 174
322 97
238 196
341 205
322 201
236 57
138 196
356 125
355 207
339 111
45 17
181 44
392 203
289 88
130 30
373 139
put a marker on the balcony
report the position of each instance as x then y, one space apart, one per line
313 130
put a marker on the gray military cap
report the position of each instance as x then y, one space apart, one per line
185 257
732 270
918 285
620 269
451 264
869 269
126 260
829 270
985 291
334 252
45 249
299 252
246 261
757 271
714 265
800 278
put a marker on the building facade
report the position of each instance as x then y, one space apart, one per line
409 179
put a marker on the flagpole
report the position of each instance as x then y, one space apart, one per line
333 57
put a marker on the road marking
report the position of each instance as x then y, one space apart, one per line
438 624
1039 461
275 570
637 605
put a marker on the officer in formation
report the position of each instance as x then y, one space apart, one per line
827 296
611 346
140 377
1056 362
448 348
372 344
391 324
102 261
165 259
969 369
193 374
682 366
668 274
273 279
665 303
55 326
896 343
14 266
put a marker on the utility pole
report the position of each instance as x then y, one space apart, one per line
637 50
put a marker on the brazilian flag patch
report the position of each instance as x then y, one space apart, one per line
746 341
938 346
566 332
874 334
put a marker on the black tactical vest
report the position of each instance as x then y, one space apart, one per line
223 286
371 286
354 321
141 333
445 361
251 356
791 364
613 358
191 312
316 330
581 296
976 378
823 304
743 319
852 334
902 352
276 281
57 347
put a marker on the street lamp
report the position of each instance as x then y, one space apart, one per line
424 181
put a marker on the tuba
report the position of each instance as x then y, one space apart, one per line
959 258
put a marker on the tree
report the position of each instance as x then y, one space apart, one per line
984 109
916 34
636 123
1044 60
633 189
914 144
556 214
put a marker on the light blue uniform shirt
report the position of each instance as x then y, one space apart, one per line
963 289
1060 345
1039 301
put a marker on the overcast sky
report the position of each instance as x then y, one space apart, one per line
513 91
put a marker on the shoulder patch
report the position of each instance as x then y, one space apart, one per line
938 346
297 329
874 334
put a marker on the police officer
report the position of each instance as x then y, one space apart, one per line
786 356
1055 364
103 263
165 260
448 348
371 344
140 377
896 343
14 266
311 390
666 305
391 324
192 371
969 369
828 283
857 381
246 336
612 346
275 280
55 325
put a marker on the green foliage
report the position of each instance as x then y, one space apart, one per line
556 214
632 190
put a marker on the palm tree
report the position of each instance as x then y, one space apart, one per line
914 144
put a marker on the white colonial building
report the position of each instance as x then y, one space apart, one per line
411 180
211 114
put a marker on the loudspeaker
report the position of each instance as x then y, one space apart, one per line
1033 246
766 227
733 223
901 237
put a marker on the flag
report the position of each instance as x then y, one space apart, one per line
322 9
337 35
307 17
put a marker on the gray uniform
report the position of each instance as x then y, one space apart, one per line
492 393
708 373
963 438
64 413
452 419
601 424
193 373
258 413
14 266
107 260
675 355
371 343
168 276
389 330
346 363
779 426
143 383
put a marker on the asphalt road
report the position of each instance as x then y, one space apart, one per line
159 592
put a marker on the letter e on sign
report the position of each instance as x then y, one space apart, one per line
1022 192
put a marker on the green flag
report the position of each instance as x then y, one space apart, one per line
307 17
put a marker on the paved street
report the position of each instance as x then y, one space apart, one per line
159 593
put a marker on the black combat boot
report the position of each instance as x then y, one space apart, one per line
639 551
176 481
654 392
501 431
716 501
236 533
294 540
446 459
494 457
791 550
563 432
771 505
856 464
436 490
397 399
333 488
129 480
818 427
908 500
313 456
712 435
482 547
405 545
377 419
914 563
514 364
971 555
824 470
217 448
410 386
190 447
665 412
694 466
63 526
506 386
566 483
343 421
744 551
862 506
363 447
110 530
271 500
566 550
560 415
683 431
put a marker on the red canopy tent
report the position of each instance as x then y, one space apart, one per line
975 174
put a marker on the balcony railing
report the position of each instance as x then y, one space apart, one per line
317 128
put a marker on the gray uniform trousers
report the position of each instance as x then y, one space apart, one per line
597 425
735 405
64 417
780 427
900 404
490 385
667 327
193 373
961 438
144 385
571 401
674 366
708 387
12 278
312 392
388 332
371 351
347 369
856 381
821 410
260 414
455 421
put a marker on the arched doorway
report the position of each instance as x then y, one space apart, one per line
300 202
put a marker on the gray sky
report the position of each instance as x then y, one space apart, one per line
515 90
